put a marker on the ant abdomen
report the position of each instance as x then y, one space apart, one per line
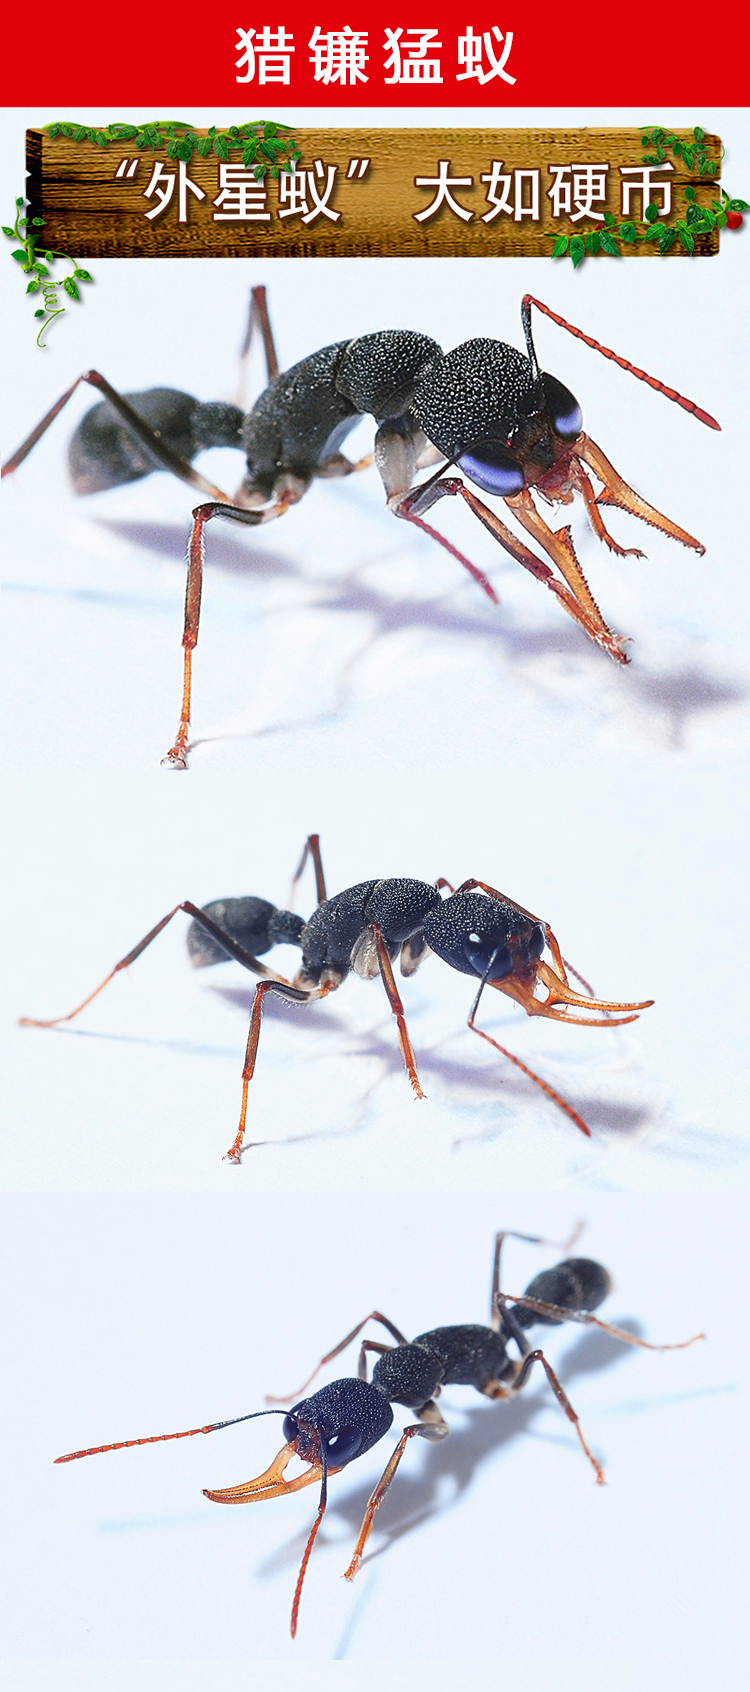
254 923
576 1284
104 452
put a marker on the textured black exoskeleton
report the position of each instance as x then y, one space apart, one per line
483 408
343 1420
476 930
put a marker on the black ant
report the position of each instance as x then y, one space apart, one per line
476 930
484 408
346 1418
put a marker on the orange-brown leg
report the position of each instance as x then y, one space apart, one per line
232 946
530 1359
300 996
311 849
432 1427
176 757
586 1320
531 1239
394 1000
374 1316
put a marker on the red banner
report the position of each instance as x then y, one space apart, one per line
273 54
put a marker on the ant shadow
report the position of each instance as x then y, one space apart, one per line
677 696
474 1087
453 1464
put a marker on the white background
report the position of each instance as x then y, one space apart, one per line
138 1316
350 678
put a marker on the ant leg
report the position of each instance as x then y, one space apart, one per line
232 946
160 451
556 1098
586 1320
374 1316
285 990
529 1360
311 849
617 492
394 1000
369 1345
176 757
576 598
430 1426
257 319
397 458
531 1239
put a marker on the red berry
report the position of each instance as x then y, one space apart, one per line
734 220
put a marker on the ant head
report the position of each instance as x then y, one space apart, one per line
496 415
482 936
326 1431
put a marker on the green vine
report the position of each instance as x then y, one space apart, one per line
697 220
268 147
35 265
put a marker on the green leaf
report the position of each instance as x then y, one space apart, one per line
577 251
689 193
220 147
204 147
54 130
609 245
7 231
184 151
667 240
49 257
173 148
651 213
19 255
721 221
686 239
628 232
591 242
41 269
609 222
37 222
709 219
687 157
560 247
83 275
70 288
79 133
248 155
259 172
699 134
654 232
734 205
41 313
32 288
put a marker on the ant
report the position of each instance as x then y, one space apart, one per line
476 930
342 1421
483 408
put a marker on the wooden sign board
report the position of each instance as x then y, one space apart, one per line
363 193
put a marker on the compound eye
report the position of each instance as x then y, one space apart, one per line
484 954
564 411
343 1446
489 464
290 1429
